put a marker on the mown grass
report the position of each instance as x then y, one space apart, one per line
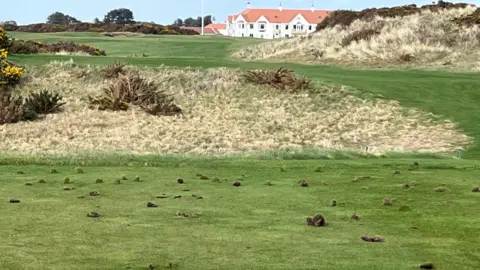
451 96
254 226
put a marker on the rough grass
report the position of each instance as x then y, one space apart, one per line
223 116
233 233
432 39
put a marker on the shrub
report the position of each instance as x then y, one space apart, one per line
10 74
33 47
280 79
44 102
113 70
12 109
133 89
365 34
144 28
346 17
338 17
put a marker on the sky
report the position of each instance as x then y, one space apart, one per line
166 11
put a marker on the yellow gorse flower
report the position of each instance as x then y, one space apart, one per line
12 72
3 54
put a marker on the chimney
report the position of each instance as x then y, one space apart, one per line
280 7
313 8
248 5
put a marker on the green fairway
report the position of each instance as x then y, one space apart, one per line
254 226
157 46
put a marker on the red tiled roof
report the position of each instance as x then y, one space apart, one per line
199 29
283 16
219 26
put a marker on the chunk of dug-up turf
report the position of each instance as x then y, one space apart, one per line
476 189
13 201
197 197
303 183
372 239
396 172
93 215
67 188
163 196
316 221
192 215
180 180
354 217
236 184
93 193
151 205
426 266
137 179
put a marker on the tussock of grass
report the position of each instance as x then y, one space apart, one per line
432 39
224 116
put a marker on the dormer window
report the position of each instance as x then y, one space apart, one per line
262 26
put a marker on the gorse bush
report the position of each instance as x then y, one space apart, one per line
12 109
144 28
44 102
132 89
281 79
34 47
9 73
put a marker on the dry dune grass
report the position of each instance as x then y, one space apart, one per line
222 116
431 39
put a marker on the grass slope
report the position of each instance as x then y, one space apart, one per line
233 233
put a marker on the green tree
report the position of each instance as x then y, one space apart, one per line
178 22
60 18
11 22
120 16
96 20
198 21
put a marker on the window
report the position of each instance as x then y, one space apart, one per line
241 26
310 27
277 27
287 35
294 27
262 26
286 27
251 26
251 35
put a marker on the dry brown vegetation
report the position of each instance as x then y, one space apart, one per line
221 115
443 38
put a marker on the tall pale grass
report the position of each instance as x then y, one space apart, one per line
222 116
431 38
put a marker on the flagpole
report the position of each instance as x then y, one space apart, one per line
203 23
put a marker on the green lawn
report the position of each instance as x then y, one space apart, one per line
254 226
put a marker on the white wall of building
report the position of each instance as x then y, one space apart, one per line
240 28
